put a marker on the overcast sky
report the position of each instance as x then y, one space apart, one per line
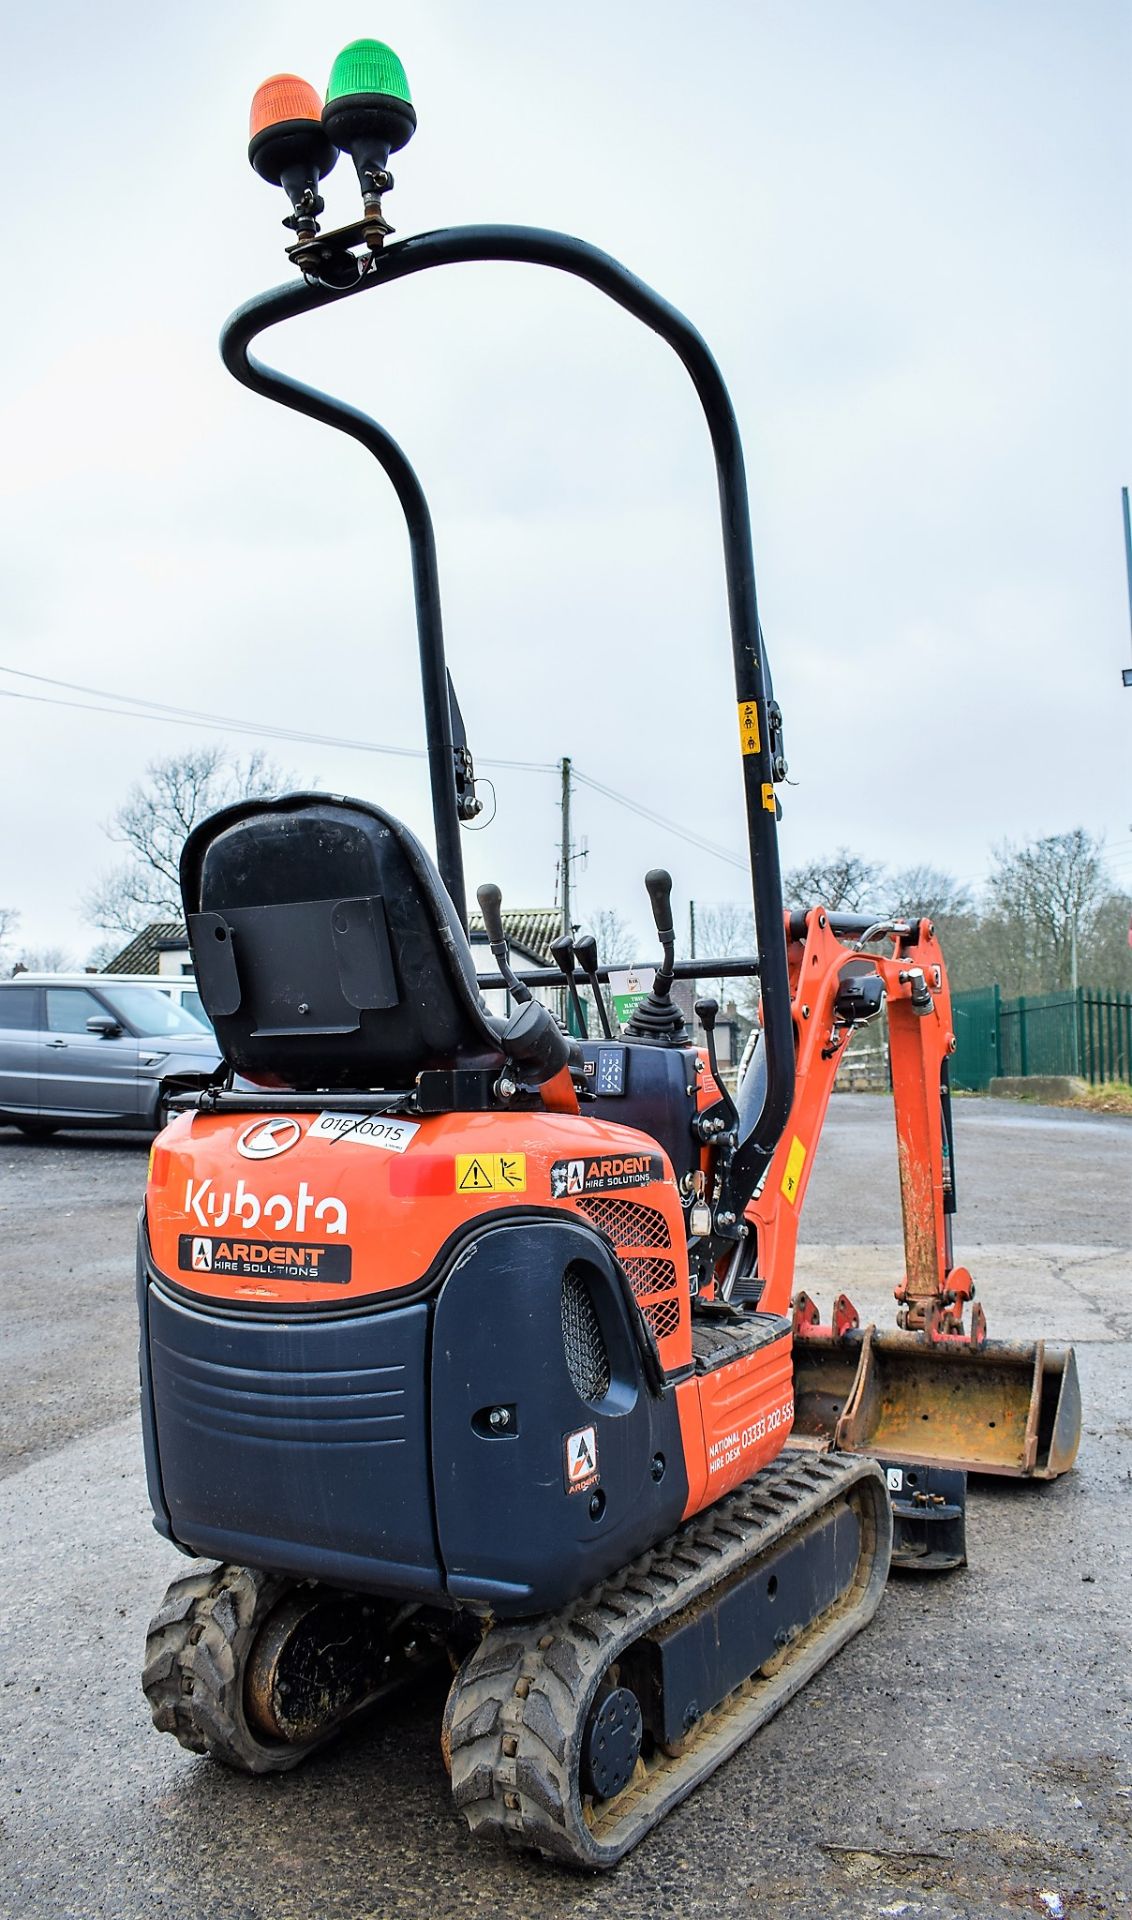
901 224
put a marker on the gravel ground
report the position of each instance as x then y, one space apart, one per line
966 1758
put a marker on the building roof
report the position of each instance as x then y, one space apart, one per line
530 931
140 956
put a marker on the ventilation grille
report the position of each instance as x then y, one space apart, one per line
663 1318
649 1276
586 1356
627 1223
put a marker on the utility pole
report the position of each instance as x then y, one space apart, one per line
1126 672
567 853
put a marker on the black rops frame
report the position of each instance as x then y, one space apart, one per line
536 246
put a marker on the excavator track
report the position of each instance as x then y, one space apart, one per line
533 1705
259 1669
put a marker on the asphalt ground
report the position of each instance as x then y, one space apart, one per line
968 1757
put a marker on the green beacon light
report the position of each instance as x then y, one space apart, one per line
288 146
369 115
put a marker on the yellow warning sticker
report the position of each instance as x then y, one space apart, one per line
768 797
748 726
795 1161
491 1173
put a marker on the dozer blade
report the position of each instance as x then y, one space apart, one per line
1008 1407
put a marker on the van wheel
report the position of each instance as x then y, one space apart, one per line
37 1129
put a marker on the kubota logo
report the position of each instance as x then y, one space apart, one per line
265 1138
282 1213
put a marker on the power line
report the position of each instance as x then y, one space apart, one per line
134 707
659 820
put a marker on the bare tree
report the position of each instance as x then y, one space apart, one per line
103 952
841 880
47 960
9 921
1044 901
723 931
154 822
616 942
930 893
1106 953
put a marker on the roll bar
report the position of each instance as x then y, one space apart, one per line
536 246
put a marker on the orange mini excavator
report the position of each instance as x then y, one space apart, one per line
469 1338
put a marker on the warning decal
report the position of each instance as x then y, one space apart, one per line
795 1161
581 1460
491 1173
748 726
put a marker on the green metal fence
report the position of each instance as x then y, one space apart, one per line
1087 1033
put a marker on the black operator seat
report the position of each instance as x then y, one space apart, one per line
327 950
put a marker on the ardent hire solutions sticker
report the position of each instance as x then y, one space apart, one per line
604 1173
581 1460
248 1259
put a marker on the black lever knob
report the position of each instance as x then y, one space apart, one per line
724 1117
491 906
562 952
585 948
659 885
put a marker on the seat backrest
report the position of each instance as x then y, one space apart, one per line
327 951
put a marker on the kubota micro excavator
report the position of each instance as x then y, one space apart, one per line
466 1338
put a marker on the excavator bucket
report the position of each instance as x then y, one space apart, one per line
1007 1407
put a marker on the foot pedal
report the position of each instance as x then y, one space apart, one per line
929 1517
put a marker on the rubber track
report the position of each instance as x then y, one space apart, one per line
195 1659
524 1695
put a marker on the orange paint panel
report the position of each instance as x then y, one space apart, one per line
342 1219
746 1411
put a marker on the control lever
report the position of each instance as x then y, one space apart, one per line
659 885
562 950
585 947
491 907
723 1117
658 1019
